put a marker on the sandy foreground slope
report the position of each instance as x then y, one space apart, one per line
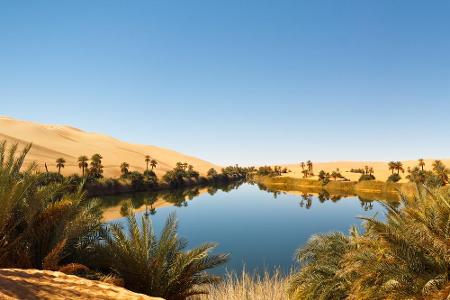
53 141
381 169
37 284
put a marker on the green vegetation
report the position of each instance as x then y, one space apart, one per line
269 171
60 164
307 169
44 225
124 169
96 169
403 257
83 163
321 259
41 225
158 266
396 166
366 177
147 161
394 178
438 176
153 163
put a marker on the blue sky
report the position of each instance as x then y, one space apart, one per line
234 81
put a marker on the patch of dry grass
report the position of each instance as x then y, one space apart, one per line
250 287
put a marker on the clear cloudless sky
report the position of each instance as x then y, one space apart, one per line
235 81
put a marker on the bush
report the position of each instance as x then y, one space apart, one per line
405 256
41 226
394 178
158 266
366 177
47 178
137 180
212 172
150 179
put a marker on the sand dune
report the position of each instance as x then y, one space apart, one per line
38 284
381 168
53 141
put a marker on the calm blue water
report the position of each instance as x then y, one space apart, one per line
259 230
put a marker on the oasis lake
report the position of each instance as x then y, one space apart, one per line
259 229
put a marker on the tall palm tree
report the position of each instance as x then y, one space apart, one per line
159 266
309 164
441 171
60 164
305 173
421 163
403 256
366 169
399 167
124 168
96 169
147 160
302 165
392 166
153 163
437 164
83 163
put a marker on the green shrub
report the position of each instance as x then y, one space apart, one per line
49 178
405 256
366 177
158 266
137 180
41 226
394 178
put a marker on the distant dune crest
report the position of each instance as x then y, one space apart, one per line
53 141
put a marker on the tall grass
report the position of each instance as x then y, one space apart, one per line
249 286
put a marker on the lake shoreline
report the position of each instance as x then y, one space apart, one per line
117 188
371 189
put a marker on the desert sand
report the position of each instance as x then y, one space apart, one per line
53 141
381 168
37 284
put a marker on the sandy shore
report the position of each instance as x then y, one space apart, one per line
37 284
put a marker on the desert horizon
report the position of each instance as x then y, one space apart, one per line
52 141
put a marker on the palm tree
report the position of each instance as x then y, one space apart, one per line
302 165
38 224
404 256
159 266
437 164
309 164
441 171
124 168
147 160
83 163
305 173
399 167
392 166
371 171
366 169
153 163
96 169
60 164
421 163
321 260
